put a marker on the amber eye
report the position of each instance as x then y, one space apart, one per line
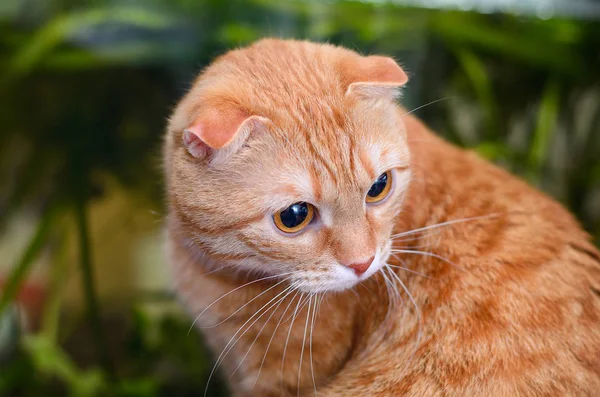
380 188
294 218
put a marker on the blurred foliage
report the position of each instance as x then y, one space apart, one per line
86 88
151 361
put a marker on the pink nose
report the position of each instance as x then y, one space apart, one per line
360 268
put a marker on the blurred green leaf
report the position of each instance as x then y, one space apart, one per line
20 270
546 122
59 274
238 34
493 151
52 361
67 26
476 72
474 30
137 388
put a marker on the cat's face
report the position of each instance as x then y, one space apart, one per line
308 190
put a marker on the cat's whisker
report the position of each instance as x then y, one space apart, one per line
303 341
266 307
300 309
428 254
387 287
260 332
417 311
231 342
391 278
232 291
225 266
365 287
427 104
393 292
409 270
244 305
404 266
312 327
428 245
447 223
417 236
273 335
390 286
288 336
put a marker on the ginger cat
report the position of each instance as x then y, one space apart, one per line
327 243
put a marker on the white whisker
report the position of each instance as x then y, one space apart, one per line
447 223
389 284
216 270
312 327
417 311
300 309
303 341
420 235
427 245
365 287
427 104
428 254
245 304
288 336
409 270
231 342
272 336
260 332
232 291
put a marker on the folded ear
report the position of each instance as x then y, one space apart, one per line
375 76
218 128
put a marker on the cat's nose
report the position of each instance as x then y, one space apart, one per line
360 268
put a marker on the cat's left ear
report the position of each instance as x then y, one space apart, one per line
375 76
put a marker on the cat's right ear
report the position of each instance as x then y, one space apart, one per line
375 76
220 131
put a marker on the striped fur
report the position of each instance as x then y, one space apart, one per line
496 293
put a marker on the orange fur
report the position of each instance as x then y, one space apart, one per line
505 302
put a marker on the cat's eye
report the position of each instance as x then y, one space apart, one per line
295 217
380 188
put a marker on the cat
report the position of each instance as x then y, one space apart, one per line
327 243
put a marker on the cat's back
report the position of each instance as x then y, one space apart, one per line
506 302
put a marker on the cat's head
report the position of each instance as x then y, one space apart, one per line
290 158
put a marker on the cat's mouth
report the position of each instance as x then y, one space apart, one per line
339 277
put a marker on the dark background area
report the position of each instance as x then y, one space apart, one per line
86 88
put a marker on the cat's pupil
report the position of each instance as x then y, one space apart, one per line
378 186
294 215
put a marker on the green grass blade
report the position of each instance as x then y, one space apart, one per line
546 120
89 289
478 76
20 271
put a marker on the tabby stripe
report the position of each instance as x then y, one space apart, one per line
262 251
190 222
367 165
320 158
